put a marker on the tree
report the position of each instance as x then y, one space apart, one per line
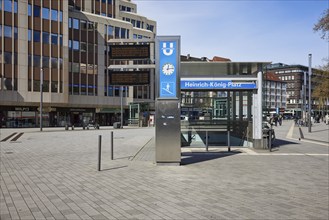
323 25
321 91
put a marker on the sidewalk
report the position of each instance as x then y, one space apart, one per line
53 175
319 132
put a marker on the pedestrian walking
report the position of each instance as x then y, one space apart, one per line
280 120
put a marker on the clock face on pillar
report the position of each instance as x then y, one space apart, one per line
168 69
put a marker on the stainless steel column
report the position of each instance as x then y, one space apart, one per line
167 109
168 134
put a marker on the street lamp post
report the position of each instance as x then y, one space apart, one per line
304 98
309 91
41 97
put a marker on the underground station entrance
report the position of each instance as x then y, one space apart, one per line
204 106
220 104
216 118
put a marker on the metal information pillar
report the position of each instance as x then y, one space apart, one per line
167 132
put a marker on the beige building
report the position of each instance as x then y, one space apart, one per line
68 43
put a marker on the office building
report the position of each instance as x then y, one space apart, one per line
274 94
66 43
297 82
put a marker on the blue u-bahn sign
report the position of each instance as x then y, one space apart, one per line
169 52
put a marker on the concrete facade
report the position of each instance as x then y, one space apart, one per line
23 78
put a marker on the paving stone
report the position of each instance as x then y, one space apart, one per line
54 175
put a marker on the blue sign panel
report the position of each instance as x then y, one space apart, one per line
167 69
216 84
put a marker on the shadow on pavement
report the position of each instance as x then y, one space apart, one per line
197 157
280 142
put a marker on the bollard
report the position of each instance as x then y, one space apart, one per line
270 140
207 140
228 141
99 151
111 145
247 136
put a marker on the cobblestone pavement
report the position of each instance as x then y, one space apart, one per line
53 175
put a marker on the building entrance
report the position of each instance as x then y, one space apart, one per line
216 118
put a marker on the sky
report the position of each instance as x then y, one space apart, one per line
243 30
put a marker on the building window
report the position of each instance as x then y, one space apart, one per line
61 40
61 16
36 36
29 35
54 63
75 24
123 33
8 6
36 11
83 25
75 67
45 62
54 38
7 31
70 22
110 30
117 32
36 61
29 60
60 63
54 15
15 33
29 10
90 48
83 47
70 44
45 37
7 58
76 45
15 58
45 13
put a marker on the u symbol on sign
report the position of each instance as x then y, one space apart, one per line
168 51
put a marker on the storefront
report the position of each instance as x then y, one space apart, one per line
20 117
26 117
